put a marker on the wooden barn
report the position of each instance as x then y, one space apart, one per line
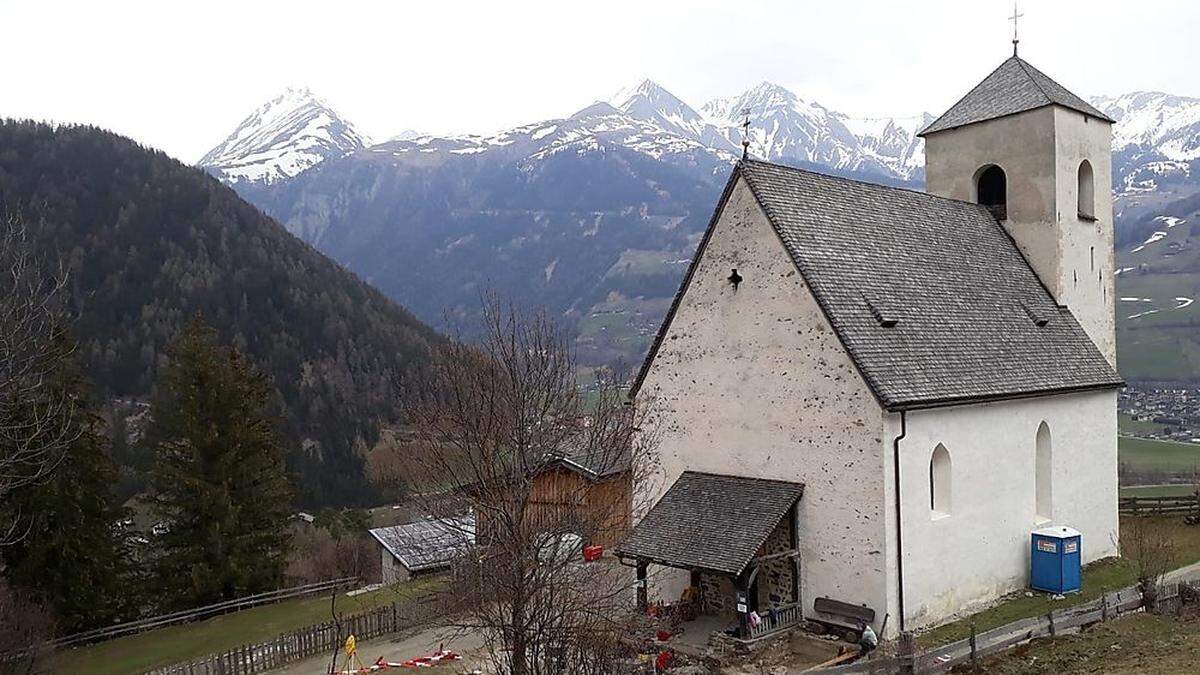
582 493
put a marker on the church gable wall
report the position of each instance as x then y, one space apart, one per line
754 382
979 549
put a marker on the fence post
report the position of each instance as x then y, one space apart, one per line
973 656
1050 617
1104 607
906 653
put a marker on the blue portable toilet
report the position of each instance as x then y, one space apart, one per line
1054 560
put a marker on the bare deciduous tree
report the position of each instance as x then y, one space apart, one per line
1150 548
35 422
317 555
544 467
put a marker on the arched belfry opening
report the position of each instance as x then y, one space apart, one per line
1087 191
991 190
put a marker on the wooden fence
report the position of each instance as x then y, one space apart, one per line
1181 505
779 619
976 647
319 639
196 613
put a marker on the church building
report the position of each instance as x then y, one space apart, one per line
871 396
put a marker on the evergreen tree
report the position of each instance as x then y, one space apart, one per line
75 558
218 481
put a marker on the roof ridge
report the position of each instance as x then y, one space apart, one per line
738 477
963 97
1025 66
861 181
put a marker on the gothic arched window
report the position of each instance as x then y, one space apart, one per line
939 482
1087 191
991 190
1043 470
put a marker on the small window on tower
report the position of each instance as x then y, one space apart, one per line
1087 192
991 189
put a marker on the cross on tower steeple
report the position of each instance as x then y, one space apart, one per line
1015 15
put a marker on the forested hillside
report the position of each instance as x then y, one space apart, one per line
150 242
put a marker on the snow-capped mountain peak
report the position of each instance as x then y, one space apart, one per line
644 90
286 135
647 101
406 135
758 100
1156 141
1153 118
785 127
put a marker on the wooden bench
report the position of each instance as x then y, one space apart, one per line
842 617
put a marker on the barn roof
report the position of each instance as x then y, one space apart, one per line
711 521
930 296
590 462
1013 87
427 544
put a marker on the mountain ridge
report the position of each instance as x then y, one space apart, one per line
150 242
631 179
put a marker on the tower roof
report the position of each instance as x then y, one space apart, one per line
1012 88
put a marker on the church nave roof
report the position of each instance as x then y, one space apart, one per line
930 296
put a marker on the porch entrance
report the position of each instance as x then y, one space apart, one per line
739 539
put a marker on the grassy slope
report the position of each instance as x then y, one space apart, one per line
1159 491
1138 643
174 644
1163 345
1098 578
1142 453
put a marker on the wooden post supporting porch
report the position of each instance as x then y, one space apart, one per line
795 544
741 587
643 602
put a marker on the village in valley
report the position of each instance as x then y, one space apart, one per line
654 391
1170 414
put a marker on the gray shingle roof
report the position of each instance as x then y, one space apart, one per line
593 464
710 521
1013 87
427 544
965 303
582 455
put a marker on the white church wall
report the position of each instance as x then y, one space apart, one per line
957 562
754 382
1086 246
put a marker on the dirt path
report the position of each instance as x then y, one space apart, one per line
400 648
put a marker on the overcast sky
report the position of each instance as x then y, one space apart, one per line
180 76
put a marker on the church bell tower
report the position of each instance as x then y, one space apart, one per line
1040 158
